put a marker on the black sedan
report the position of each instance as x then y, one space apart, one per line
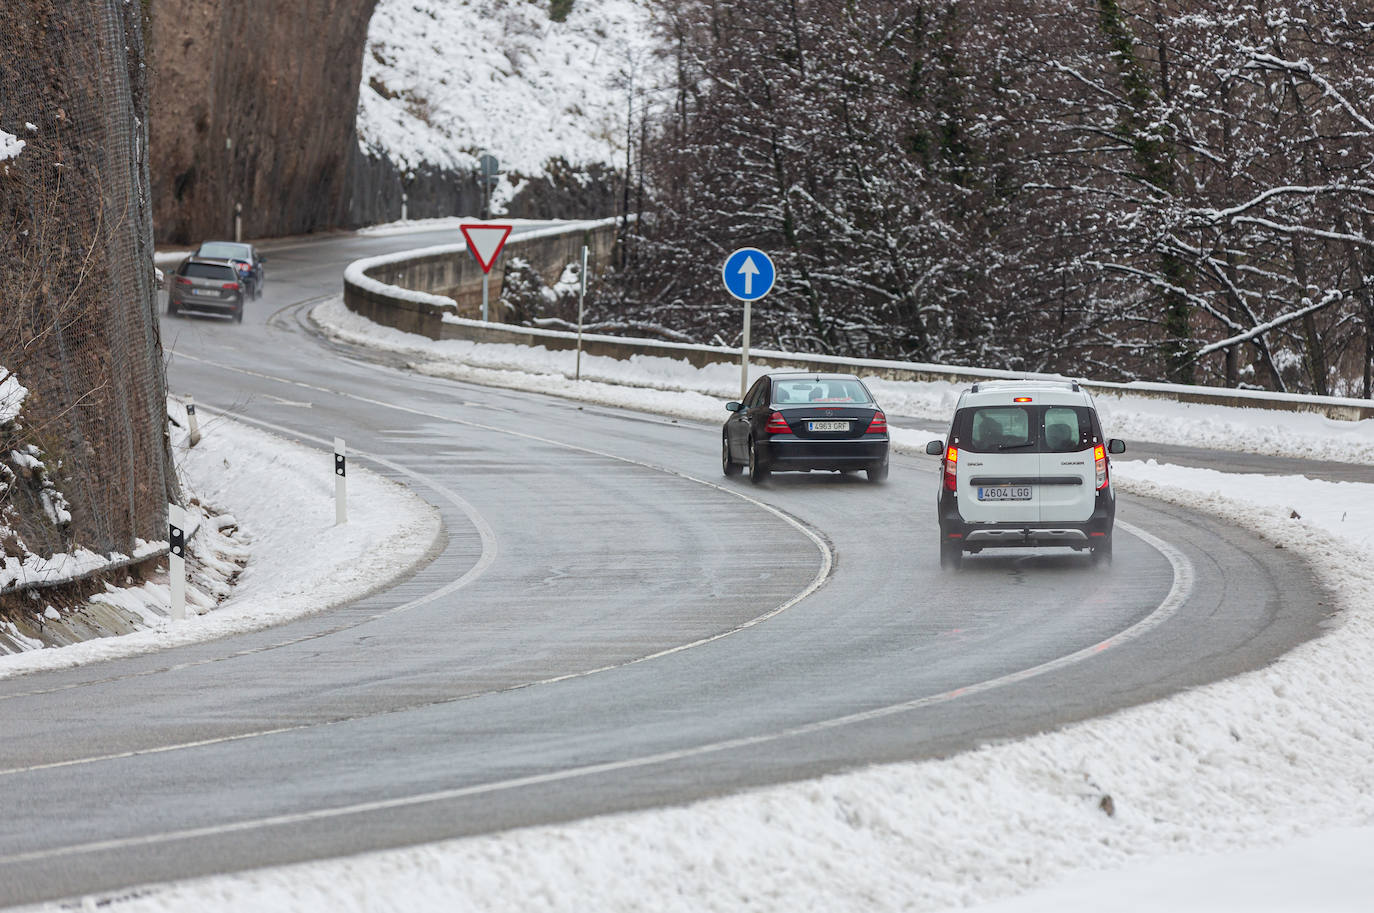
796 422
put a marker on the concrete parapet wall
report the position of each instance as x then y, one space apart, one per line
412 290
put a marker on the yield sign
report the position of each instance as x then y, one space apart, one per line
485 242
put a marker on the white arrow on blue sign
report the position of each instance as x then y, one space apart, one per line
748 274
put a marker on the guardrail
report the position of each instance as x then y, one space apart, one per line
397 290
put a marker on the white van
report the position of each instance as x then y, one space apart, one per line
1025 466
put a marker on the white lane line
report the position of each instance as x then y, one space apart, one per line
1173 601
488 557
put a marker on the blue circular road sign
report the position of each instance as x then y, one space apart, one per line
748 274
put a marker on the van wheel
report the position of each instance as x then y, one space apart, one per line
757 471
951 554
1102 551
727 465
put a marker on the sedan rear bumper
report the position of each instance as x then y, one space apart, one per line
785 452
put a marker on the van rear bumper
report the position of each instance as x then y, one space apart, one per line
1025 534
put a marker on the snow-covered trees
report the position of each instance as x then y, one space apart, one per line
1177 189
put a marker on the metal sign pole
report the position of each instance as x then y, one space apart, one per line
486 279
744 354
748 273
581 299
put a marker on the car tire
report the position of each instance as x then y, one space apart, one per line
951 554
757 471
878 472
172 309
1102 552
727 465
238 314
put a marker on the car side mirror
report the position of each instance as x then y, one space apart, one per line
732 406
935 448
1116 445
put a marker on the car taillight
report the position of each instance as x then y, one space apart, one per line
1100 463
777 424
231 286
182 280
878 425
951 468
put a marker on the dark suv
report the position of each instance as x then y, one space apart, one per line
206 287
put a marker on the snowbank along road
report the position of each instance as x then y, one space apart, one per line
610 625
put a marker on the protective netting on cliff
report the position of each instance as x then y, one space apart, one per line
78 323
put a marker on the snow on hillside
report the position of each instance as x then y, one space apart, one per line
443 81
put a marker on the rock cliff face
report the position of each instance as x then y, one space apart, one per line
78 326
253 103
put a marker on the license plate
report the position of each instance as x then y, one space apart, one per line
827 426
1005 493
204 291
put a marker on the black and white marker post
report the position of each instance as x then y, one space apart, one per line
176 559
340 483
581 299
192 420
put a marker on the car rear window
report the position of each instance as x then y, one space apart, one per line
812 390
209 271
1026 429
223 249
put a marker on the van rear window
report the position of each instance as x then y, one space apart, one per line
1025 429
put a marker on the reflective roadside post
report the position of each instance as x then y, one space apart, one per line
748 274
581 299
192 420
340 482
176 560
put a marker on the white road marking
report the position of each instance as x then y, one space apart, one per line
1173 601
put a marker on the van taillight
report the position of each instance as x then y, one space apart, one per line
878 425
1100 463
777 424
951 468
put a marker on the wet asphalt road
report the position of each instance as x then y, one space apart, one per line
609 624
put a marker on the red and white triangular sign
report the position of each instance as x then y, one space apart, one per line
485 241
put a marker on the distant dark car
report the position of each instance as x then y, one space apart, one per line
245 258
793 422
206 287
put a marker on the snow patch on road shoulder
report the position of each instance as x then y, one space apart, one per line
281 494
